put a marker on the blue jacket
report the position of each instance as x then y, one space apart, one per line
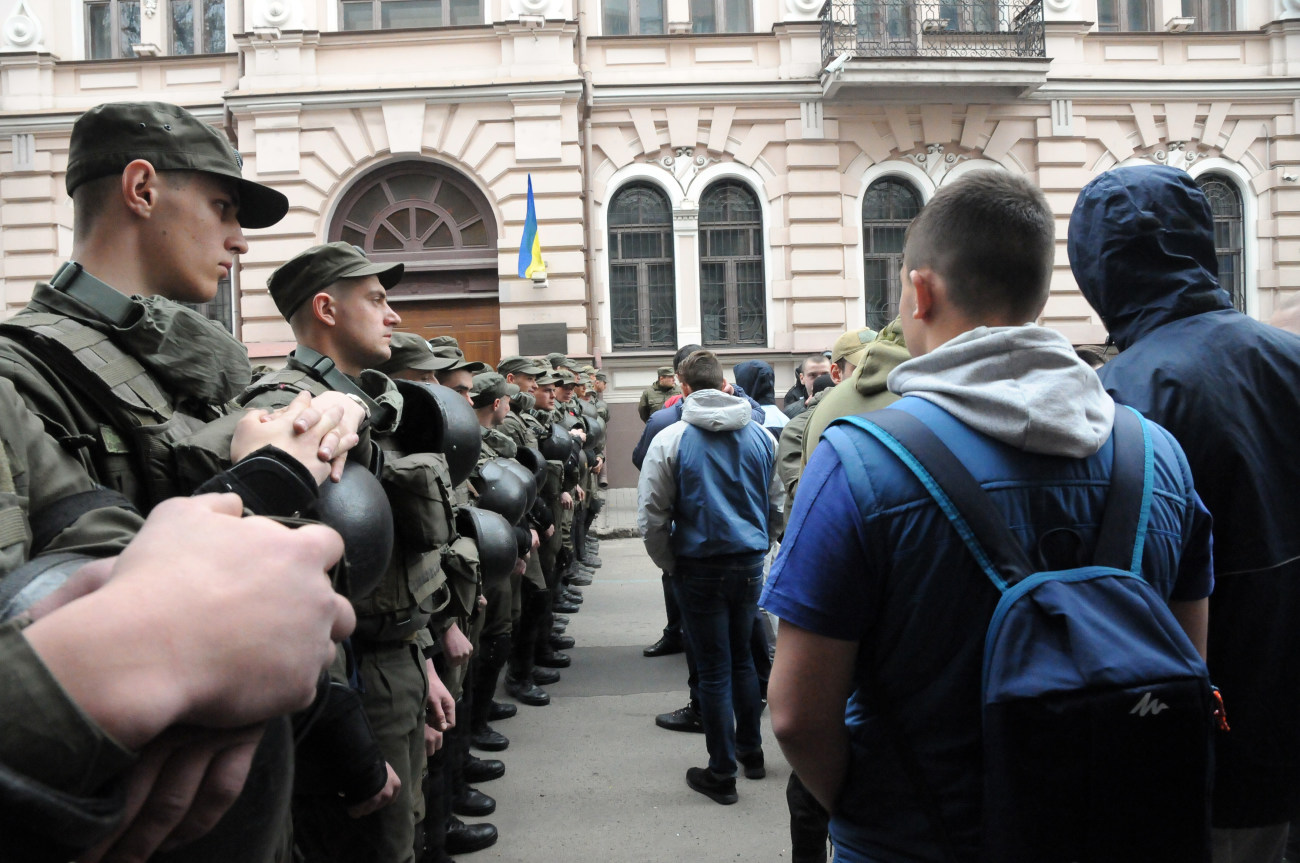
895 577
708 485
663 418
1141 245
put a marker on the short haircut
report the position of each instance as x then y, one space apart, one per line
701 371
823 382
91 198
991 237
812 358
682 353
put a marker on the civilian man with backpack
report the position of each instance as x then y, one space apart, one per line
1142 247
887 583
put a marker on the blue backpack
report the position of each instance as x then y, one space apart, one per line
1097 710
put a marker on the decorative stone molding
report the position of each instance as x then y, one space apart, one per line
542 8
1175 154
683 163
22 29
275 13
150 8
936 161
1060 7
802 10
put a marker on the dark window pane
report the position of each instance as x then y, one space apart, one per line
214 26
99 30
1107 16
1229 234
617 17
369 205
465 12
388 239
643 295
703 17
1139 16
128 22
731 266
887 209
182 27
358 16
412 187
650 17
455 202
737 16
353 236
474 234
399 14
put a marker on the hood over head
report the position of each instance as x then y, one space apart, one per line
1023 386
1141 246
758 381
714 410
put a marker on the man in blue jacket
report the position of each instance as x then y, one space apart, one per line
709 508
881 603
1142 248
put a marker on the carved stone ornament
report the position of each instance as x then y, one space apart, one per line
935 162
1176 154
150 8
683 163
22 29
1060 7
545 8
802 10
275 13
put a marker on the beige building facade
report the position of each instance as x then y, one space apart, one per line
731 172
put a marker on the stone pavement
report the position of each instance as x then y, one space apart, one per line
590 777
617 519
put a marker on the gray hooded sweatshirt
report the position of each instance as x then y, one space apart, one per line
1024 386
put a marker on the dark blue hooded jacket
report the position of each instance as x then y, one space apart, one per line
1141 245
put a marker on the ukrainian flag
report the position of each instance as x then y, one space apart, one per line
530 247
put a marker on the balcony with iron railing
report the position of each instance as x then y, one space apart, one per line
979 42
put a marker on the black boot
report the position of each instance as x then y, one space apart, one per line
534 622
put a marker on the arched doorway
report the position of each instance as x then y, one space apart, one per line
437 223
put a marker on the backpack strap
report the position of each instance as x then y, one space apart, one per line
981 525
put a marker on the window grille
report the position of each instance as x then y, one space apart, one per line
112 27
733 301
1229 239
887 209
642 285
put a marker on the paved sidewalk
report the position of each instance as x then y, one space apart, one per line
591 779
618 518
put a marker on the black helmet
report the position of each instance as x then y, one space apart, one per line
438 419
357 507
588 409
532 459
497 548
526 477
558 446
501 489
570 421
595 433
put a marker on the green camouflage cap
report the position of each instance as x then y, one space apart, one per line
448 348
109 137
548 377
412 352
488 387
601 376
517 365
316 269
556 359
851 345
566 376
666 371
585 379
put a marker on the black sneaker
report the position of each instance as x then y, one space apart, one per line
683 719
719 789
753 764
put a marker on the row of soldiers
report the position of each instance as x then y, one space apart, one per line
463 495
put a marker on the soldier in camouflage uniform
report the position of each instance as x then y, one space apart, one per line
335 301
654 396
134 384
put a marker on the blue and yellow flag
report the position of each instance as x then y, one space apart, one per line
530 247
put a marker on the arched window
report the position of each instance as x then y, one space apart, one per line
1229 243
887 209
419 213
642 289
733 302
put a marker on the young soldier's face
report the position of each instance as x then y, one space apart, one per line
563 393
195 236
364 321
460 380
526 383
667 381
545 397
